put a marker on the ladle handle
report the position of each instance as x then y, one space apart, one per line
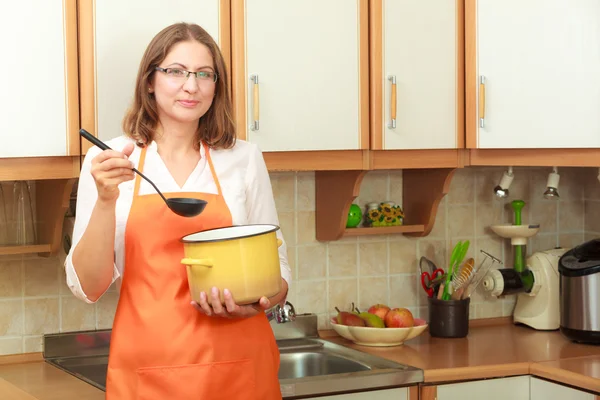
94 140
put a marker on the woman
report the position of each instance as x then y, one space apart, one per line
180 133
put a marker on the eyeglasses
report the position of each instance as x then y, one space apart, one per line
206 76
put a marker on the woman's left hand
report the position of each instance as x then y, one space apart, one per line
210 304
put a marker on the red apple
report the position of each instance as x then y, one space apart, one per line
380 310
399 318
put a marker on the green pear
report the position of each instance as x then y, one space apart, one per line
371 320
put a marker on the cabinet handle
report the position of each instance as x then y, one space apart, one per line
482 101
392 123
255 102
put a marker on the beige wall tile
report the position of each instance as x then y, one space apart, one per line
373 291
462 187
342 260
486 215
569 240
592 215
374 188
306 233
312 262
105 310
403 291
41 277
311 297
461 220
544 212
396 189
440 224
284 190
403 255
287 224
33 344
10 278
306 191
11 317
571 216
486 180
591 185
77 315
41 315
342 293
12 345
434 250
373 259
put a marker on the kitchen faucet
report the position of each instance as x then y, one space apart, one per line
287 313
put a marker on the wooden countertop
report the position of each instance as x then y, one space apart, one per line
494 348
31 378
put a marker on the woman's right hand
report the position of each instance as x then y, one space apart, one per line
109 169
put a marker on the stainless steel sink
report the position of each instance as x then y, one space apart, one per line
309 365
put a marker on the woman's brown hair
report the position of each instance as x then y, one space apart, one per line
215 128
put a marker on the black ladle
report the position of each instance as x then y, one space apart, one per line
186 207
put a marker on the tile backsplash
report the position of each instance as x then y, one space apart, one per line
35 300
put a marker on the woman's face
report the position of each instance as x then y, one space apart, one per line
182 99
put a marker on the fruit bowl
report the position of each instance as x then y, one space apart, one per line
380 337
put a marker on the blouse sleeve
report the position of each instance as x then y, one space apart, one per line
86 200
260 204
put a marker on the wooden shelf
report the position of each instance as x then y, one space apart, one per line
383 230
423 190
52 201
33 168
28 249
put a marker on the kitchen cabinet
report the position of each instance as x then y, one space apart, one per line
39 113
113 37
533 82
301 75
545 390
417 74
388 394
514 388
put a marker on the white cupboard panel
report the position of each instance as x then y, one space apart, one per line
515 388
33 69
544 390
306 56
388 394
123 30
419 49
541 63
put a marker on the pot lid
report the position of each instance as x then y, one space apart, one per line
581 260
229 233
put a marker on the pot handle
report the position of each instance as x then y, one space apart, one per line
205 262
279 242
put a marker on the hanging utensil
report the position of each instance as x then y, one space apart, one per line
427 279
186 207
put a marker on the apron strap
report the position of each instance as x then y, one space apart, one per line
140 168
212 168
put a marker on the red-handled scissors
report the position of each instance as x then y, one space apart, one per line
426 280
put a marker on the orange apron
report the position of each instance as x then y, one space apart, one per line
161 347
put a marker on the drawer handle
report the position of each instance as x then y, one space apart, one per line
482 101
392 123
255 103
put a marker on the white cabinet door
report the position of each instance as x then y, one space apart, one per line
514 388
541 65
544 390
39 78
120 33
388 394
306 57
419 42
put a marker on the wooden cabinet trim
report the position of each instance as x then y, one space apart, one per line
460 74
470 23
428 393
87 74
535 157
376 58
363 73
71 77
413 393
35 168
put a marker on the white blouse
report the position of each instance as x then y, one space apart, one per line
244 181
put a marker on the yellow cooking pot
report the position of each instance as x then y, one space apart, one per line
241 258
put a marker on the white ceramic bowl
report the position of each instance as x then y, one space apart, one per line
381 337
